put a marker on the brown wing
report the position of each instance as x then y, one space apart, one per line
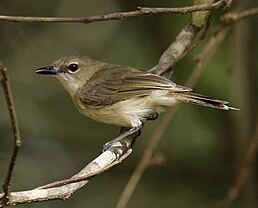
112 84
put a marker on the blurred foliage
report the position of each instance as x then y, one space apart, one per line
199 145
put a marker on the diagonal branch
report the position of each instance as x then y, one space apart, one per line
176 50
141 11
97 166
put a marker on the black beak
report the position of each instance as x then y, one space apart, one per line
48 70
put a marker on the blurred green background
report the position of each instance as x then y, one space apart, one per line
203 147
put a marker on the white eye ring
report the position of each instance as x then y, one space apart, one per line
73 67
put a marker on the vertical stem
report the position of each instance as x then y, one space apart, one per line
16 134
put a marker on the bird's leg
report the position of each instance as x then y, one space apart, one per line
123 138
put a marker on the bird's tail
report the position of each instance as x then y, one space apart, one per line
197 99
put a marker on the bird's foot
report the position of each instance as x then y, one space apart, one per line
123 141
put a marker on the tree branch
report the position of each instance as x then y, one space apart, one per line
176 50
16 134
141 11
237 16
106 160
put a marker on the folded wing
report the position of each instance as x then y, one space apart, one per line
113 84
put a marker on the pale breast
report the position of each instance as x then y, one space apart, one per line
131 112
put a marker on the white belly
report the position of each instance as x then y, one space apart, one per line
131 112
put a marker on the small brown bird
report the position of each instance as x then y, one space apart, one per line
121 95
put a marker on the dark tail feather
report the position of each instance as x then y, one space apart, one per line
197 99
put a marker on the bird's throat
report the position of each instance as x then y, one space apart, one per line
70 83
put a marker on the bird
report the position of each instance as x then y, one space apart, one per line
121 95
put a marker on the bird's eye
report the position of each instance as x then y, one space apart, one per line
73 67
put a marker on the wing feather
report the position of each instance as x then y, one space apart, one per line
112 84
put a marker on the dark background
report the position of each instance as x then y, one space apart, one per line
204 148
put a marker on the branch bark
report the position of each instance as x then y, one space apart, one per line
16 134
103 162
237 16
141 11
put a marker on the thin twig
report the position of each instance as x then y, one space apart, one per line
115 16
83 177
244 173
203 57
237 16
16 134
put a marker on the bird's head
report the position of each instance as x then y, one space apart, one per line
72 71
